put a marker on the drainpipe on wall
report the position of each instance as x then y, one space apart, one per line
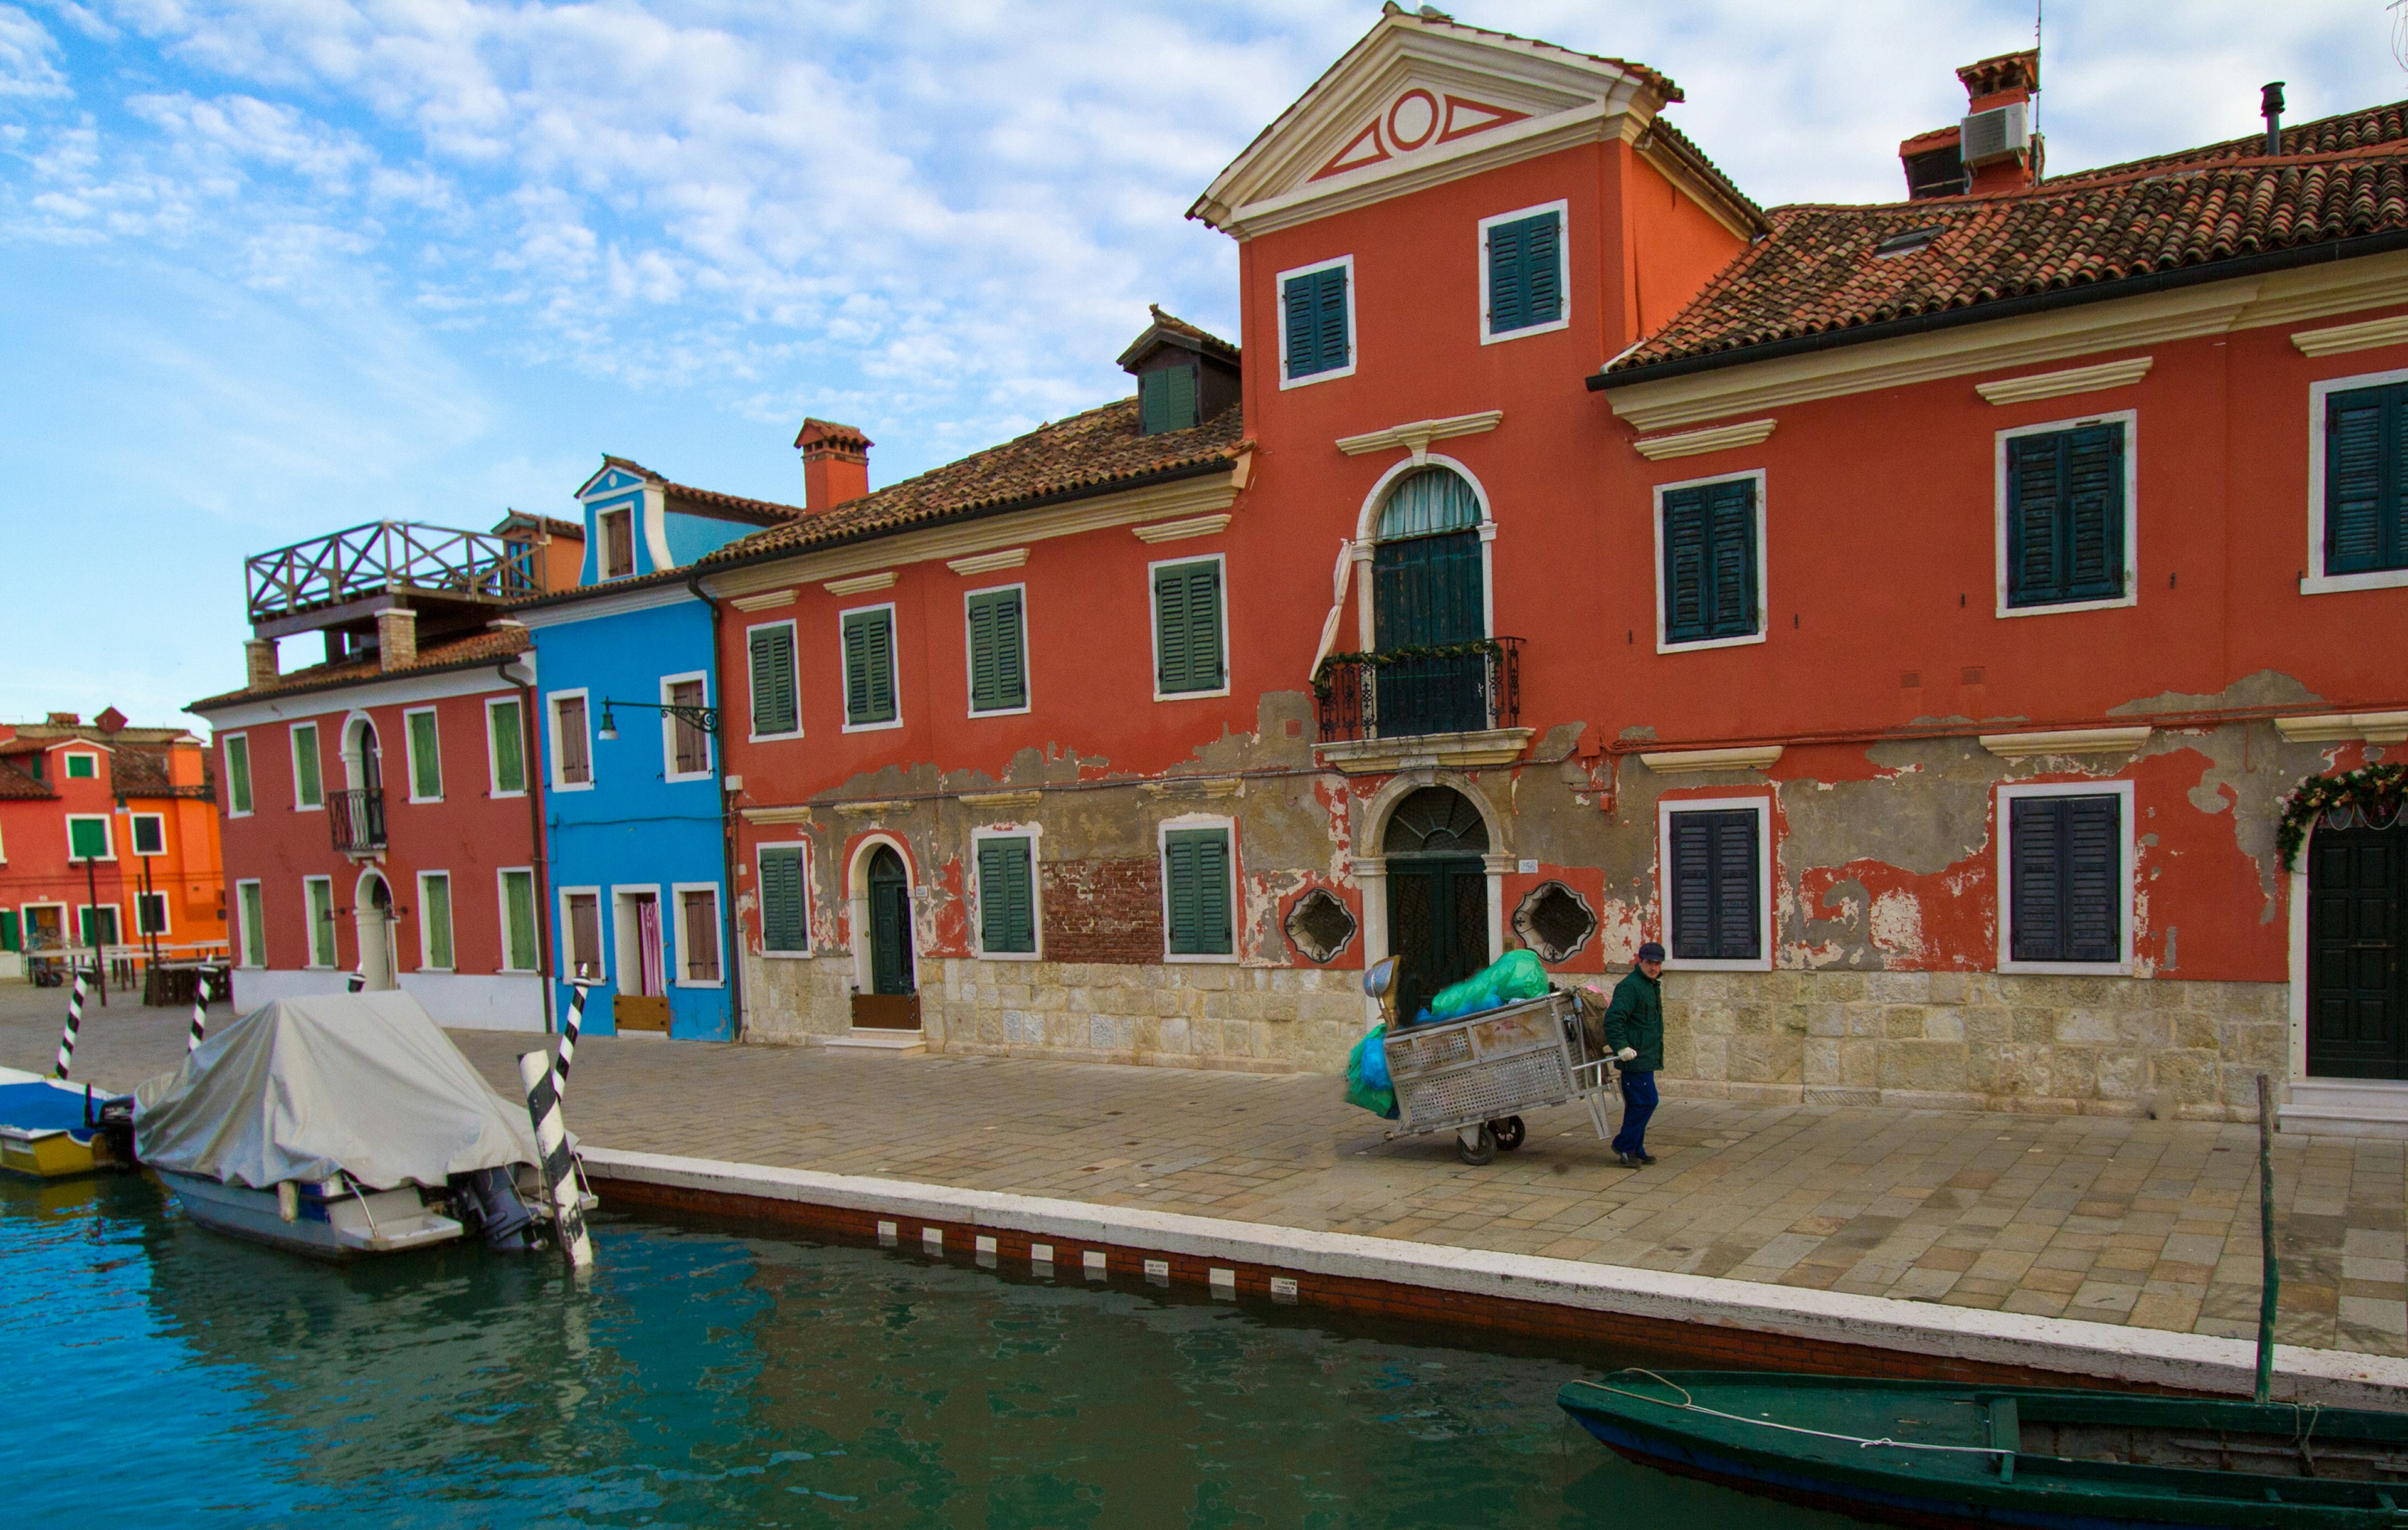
732 932
530 763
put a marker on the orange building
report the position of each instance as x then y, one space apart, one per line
109 835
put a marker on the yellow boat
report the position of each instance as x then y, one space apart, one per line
50 1130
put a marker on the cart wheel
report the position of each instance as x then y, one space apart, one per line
1477 1150
1511 1133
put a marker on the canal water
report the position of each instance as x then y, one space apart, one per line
165 1376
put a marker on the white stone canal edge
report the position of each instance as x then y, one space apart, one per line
2105 1352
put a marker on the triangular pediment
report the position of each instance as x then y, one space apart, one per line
1419 98
616 475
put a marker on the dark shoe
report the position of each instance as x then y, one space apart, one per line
1647 1158
1626 1160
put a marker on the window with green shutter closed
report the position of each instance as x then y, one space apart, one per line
1166 398
1526 283
2066 901
869 666
238 759
1195 887
518 906
1710 575
1006 896
435 918
1315 322
1716 897
998 651
510 746
1187 627
425 759
308 785
2366 480
2065 515
87 839
773 681
254 923
784 918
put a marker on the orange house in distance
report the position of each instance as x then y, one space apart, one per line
106 831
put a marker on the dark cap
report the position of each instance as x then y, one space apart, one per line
1651 952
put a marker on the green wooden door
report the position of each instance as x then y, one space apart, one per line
890 925
2357 990
1438 893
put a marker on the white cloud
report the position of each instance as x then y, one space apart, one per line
28 57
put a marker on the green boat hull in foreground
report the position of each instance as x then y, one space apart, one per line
1946 1453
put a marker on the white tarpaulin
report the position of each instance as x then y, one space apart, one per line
300 1087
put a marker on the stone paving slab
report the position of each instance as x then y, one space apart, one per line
2111 1219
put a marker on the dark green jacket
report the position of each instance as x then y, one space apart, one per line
1635 1018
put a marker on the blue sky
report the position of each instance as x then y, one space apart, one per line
272 268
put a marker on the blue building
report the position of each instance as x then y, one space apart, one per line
635 835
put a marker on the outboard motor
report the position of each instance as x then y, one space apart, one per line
490 1204
112 1125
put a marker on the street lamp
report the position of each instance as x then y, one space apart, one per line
701 719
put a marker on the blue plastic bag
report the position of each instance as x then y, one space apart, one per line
1375 1060
1380 1101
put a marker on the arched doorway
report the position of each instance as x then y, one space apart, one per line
2357 984
372 921
1438 893
361 806
886 993
1428 591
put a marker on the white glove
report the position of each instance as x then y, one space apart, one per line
1627 1053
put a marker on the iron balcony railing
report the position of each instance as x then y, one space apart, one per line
356 820
1452 688
390 555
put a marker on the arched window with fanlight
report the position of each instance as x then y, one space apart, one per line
1428 593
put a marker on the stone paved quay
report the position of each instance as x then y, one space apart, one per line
2111 1220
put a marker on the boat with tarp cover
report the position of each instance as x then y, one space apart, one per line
1946 1453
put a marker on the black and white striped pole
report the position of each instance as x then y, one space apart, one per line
75 1024
569 1027
200 1011
559 1171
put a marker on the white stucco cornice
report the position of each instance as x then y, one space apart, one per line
2065 741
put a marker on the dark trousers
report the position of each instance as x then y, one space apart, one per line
1638 1105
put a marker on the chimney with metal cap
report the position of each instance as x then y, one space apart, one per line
2269 106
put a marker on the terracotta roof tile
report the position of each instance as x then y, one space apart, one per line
1090 451
16 785
487 647
1819 272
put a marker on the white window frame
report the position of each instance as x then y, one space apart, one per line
1562 209
795 654
552 737
409 753
2319 582
108 836
244 931
292 744
1153 625
25 920
492 750
502 909
2005 871
1279 312
969 678
1762 806
1161 832
844 671
1763 569
83 940
66 765
1033 832
426 935
761 908
565 931
166 921
669 772
226 743
718 934
134 832
2131 420
602 574
310 927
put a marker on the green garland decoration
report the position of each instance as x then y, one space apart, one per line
2381 787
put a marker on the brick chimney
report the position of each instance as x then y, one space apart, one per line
1982 152
836 464
396 639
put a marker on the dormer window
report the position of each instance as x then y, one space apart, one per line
1184 377
618 529
1166 397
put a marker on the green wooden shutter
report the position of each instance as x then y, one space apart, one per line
435 915
869 666
1542 248
773 681
2066 890
1730 555
782 924
1187 627
10 939
425 760
998 661
1714 892
2366 480
518 903
1196 878
238 758
1006 896
1685 589
510 746
1524 273
2034 484
87 839
1315 322
1167 398
2065 516
254 926
1691 893
308 786
1298 301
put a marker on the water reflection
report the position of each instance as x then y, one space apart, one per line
705 1377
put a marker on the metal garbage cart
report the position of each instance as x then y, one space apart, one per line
1477 1074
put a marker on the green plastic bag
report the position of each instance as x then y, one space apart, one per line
1516 976
1380 1102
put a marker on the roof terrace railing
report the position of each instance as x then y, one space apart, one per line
390 556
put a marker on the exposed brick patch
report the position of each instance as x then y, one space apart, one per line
1103 911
